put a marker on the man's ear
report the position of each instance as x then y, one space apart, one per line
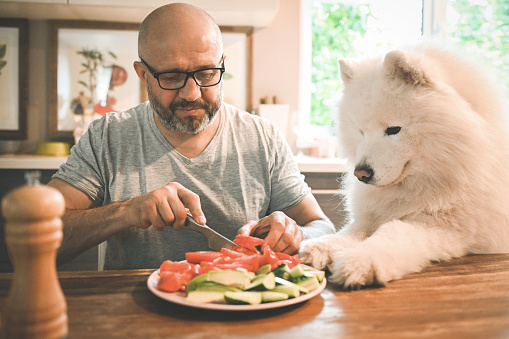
140 70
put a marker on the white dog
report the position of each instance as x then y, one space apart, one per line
422 133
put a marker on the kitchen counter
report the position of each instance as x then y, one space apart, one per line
31 162
463 298
40 162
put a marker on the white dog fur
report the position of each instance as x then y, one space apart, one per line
430 126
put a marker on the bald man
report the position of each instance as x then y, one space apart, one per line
131 178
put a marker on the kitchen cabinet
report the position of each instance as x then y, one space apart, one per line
258 13
325 188
13 178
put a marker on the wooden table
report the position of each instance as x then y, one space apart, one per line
463 298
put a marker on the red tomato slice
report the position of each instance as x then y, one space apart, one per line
244 250
231 253
222 260
290 260
248 242
175 266
250 262
207 267
269 257
199 256
169 281
181 267
184 279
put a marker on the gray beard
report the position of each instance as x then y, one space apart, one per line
188 125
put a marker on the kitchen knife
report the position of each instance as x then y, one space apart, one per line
216 240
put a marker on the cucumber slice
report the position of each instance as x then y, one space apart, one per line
262 282
269 296
282 271
291 290
243 298
318 274
297 272
204 297
229 278
311 283
265 269
280 281
191 286
211 286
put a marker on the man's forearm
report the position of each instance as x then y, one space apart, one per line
317 228
84 229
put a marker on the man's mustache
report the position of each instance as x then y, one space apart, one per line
184 104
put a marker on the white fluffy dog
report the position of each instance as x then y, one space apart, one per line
422 131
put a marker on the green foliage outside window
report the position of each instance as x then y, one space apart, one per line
484 26
479 25
335 27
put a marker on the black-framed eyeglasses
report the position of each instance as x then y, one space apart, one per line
206 77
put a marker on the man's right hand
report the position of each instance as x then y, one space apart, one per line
164 207
87 224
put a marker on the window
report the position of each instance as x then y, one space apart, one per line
481 27
333 29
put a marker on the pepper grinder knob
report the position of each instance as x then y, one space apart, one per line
35 306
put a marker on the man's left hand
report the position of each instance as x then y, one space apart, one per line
281 233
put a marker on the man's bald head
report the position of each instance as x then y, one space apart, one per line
177 24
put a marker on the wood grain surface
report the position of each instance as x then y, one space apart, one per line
464 298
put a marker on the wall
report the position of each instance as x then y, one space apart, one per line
276 57
276 50
275 68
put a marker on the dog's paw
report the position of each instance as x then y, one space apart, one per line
354 269
319 252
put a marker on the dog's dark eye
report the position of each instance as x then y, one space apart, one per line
392 130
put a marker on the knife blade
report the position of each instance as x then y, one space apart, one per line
216 240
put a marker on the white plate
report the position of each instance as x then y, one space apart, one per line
180 298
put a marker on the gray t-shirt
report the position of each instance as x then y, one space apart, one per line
245 173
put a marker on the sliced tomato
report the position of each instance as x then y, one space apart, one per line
222 260
182 267
231 253
206 267
209 266
184 279
170 281
248 242
175 266
290 260
269 257
244 250
250 262
199 256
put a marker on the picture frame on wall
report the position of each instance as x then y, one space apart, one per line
91 73
13 78
88 57
238 50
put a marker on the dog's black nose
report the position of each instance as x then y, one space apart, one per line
364 173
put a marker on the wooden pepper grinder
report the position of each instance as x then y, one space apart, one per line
35 307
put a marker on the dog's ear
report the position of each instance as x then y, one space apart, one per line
398 65
346 70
